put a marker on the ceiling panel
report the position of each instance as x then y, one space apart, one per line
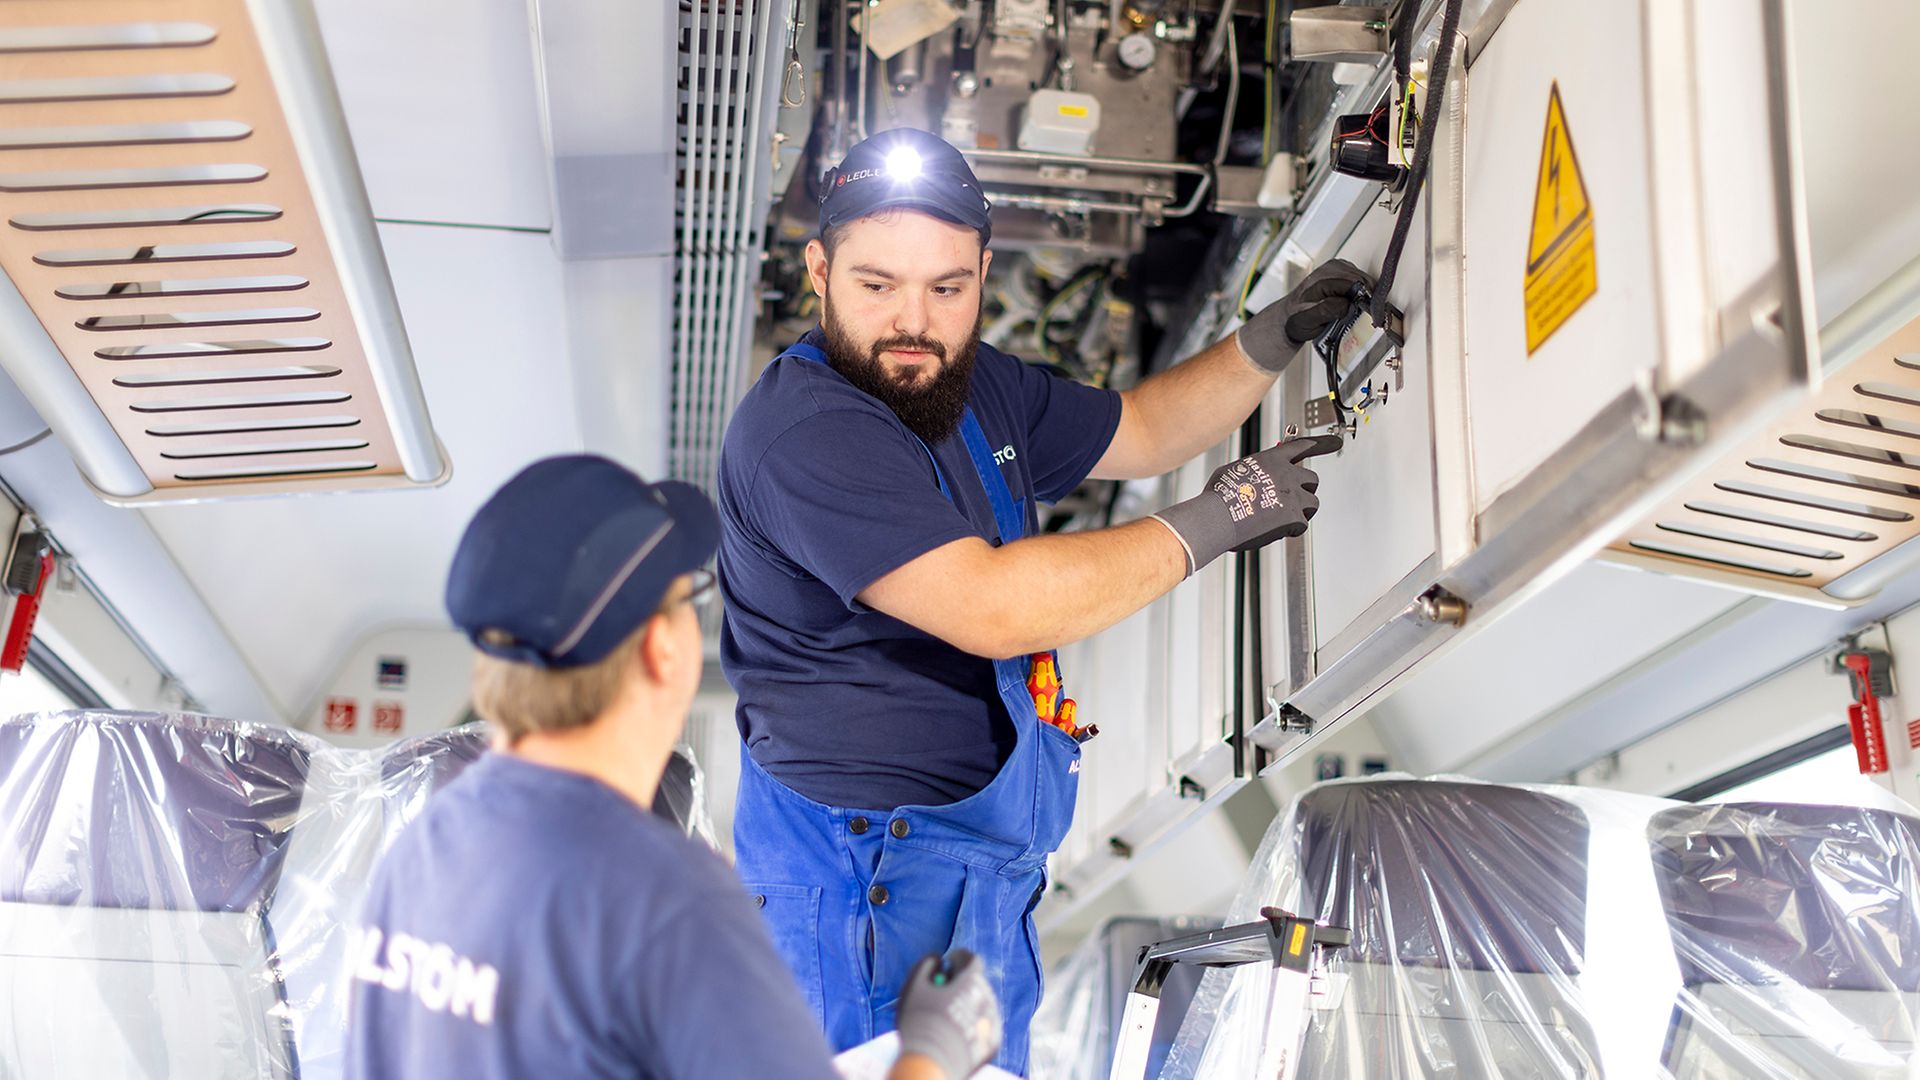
441 99
1856 241
297 581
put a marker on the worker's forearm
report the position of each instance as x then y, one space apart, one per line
1195 404
1047 591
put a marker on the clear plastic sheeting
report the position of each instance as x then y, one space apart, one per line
1073 1030
1798 939
175 890
1467 905
682 797
1567 932
140 858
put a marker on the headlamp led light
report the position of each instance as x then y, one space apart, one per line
903 163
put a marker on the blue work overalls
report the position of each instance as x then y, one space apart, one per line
855 897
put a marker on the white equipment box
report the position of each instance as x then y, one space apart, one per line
1060 122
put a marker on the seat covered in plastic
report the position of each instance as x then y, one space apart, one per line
176 890
1797 930
1468 907
413 769
139 859
182 885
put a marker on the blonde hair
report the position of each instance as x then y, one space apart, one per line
520 699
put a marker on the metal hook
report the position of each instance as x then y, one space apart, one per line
793 84
792 80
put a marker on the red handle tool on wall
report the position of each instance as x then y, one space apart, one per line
1871 672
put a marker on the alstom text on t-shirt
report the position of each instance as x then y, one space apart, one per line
432 973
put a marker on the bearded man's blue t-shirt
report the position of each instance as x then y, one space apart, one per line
822 492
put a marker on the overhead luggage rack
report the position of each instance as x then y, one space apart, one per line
1820 493
183 216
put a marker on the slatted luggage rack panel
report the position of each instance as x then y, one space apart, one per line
157 221
1820 494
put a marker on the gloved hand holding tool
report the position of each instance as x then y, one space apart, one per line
948 1014
1251 502
1271 337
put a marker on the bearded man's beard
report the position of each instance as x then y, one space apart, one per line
930 409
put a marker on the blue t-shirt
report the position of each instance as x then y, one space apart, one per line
534 922
822 492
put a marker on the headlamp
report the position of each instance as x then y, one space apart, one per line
903 163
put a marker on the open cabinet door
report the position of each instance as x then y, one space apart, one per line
1615 295
1606 289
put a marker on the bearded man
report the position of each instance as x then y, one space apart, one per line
889 596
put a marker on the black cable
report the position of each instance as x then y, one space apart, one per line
1403 42
1422 154
1246 622
1330 358
1239 662
1255 608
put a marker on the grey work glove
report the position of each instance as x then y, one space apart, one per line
948 1014
1271 338
1250 503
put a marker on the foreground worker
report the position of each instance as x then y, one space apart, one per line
886 594
537 920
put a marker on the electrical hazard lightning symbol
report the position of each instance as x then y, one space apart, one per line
1561 270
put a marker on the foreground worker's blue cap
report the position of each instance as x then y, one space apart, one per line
571 557
909 168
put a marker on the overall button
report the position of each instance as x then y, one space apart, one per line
857 826
899 828
760 900
877 894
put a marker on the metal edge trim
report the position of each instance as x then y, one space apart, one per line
1752 585
319 484
49 384
290 39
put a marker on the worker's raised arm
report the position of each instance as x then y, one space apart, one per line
1176 414
1047 591
1173 417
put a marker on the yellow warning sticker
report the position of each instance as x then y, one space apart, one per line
1073 110
1561 271
1299 939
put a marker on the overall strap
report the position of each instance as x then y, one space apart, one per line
1006 514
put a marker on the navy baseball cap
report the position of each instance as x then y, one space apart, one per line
905 167
571 557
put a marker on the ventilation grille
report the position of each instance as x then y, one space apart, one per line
723 177
1816 497
157 222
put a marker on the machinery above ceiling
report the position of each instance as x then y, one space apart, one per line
1131 150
